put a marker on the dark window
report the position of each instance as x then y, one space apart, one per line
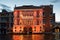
15 30
44 14
18 21
12 19
20 30
4 19
15 27
44 21
11 24
37 15
7 30
11 14
37 22
18 14
3 25
34 28
3 14
52 21
20 27
40 29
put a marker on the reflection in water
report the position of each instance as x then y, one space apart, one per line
38 37
17 37
5 37
57 36
33 37
49 37
22 37
30 37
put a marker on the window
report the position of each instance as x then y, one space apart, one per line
34 28
3 14
11 19
15 30
40 29
15 27
11 24
18 21
4 19
3 25
44 21
18 14
20 30
37 22
7 30
20 27
52 21
44 14
37 15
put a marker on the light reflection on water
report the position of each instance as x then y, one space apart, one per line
28 37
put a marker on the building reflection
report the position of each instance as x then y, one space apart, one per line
5 37
17 37
28 37
57 36
38 37
22 37
49 37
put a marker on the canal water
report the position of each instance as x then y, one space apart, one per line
31 37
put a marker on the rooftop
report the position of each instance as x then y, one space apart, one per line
31 7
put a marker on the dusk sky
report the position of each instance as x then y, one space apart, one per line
56 3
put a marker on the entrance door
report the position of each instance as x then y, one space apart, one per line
30 30
25 30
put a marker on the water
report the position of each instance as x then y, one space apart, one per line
31 37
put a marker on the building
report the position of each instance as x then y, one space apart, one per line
6 22
56 27
33 19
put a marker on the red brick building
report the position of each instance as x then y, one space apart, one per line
33 19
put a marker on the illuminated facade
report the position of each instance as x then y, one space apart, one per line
33 19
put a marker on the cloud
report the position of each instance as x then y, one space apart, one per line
54 1
5 7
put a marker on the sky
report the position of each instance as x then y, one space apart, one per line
55 3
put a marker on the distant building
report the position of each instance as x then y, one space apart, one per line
6 21
56 27
33 19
